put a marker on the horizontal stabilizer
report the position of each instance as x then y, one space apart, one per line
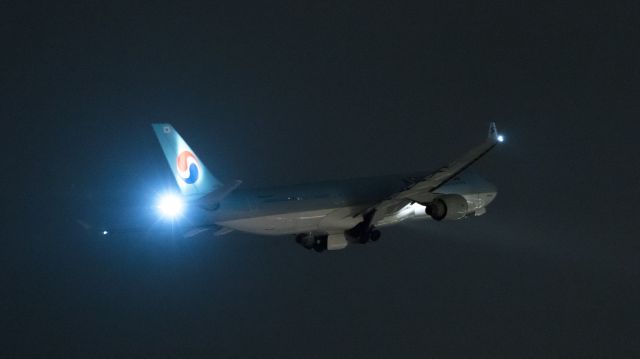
217 231
211 200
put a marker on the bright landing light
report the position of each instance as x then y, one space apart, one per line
500 138
170 206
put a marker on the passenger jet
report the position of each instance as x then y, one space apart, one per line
326 215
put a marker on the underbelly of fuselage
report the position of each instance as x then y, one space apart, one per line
329 220
335 220
285 223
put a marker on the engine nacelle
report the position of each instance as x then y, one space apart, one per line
448 206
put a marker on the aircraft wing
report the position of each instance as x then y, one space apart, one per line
422 190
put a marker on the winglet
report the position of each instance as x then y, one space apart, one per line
494 136
493 132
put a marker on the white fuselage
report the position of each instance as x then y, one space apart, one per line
329 208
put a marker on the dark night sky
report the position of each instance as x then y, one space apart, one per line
281 93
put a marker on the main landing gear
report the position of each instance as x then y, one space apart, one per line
374 235
322 242
371 234
364 231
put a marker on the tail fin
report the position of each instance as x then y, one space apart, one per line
192 176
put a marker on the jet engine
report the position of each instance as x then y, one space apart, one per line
448 206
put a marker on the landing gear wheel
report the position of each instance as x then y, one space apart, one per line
306 240
375 235
363 239
320 243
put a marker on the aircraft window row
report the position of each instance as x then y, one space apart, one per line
267 199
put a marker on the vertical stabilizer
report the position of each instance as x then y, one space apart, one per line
190 173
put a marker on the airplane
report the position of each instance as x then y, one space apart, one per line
321 216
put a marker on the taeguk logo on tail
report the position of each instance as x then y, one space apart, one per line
188 167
